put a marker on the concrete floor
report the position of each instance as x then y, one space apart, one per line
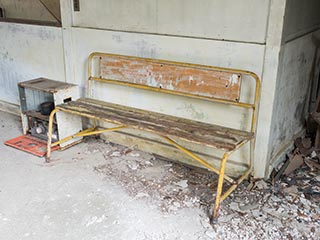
67 199
99 190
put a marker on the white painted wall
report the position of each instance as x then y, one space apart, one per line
27 52
244 20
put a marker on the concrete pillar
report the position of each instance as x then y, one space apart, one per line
269 79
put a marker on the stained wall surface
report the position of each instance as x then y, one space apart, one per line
299 64
27 52
244 20
235 34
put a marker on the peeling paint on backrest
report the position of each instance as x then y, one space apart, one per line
191 79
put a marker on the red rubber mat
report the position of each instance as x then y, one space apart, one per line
30 144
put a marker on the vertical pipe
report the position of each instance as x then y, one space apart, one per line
90 63
252 142
256 100
50 134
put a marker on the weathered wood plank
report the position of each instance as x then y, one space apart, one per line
193 131
195 80
45 85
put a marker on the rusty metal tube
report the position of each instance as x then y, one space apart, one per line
195 157
50 126
220 185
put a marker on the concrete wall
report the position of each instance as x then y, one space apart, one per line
301 17
296 59
26 52
210 19
242 34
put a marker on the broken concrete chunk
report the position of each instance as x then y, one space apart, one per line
148 163
234 206
176 204
227 218
275 198
315 217
115 154
261 184
142 195
133 166
312 164
313 154
248 207
134 154
291 190
172 208
294 162
187 203
182 183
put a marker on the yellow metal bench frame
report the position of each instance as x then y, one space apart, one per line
221 171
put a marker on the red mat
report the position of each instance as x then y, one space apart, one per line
30 144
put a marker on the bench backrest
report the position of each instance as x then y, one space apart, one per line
183 78
192 80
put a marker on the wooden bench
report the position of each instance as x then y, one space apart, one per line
219 85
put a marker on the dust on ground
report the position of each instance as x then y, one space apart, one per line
288 209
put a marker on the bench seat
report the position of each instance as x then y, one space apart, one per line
193 131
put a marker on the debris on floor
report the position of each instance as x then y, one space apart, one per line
99 190
146 176
287 209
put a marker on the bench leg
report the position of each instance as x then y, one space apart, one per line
54 111
219 196
219 189
252 143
